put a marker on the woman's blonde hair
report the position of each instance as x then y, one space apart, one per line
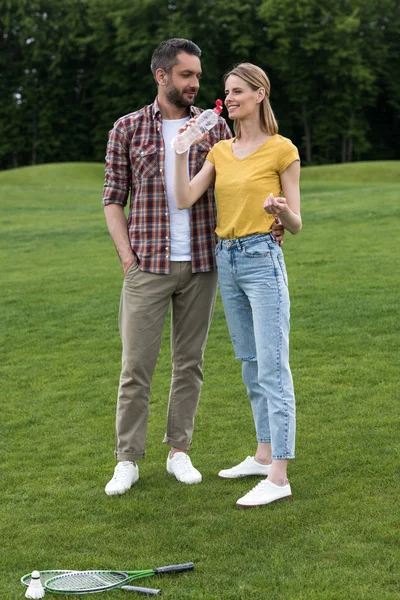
256 78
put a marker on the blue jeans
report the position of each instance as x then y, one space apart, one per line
254 290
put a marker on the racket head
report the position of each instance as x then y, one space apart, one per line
44 575
85 582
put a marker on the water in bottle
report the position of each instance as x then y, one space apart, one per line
203 123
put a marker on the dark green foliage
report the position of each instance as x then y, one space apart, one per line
46 112
70 68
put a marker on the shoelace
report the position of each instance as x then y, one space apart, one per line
121 471
184 462
244 462
260 486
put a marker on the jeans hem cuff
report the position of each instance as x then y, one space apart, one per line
283 457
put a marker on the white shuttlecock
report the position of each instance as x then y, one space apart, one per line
35 588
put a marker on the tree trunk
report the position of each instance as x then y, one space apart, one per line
350 146
307 134
344 148
34 138
350 153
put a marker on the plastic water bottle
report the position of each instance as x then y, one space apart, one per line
203 123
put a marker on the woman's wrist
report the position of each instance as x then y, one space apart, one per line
290 220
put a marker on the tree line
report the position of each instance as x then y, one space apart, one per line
70 68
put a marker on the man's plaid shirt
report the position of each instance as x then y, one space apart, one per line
135 164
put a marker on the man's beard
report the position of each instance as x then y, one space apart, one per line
177 98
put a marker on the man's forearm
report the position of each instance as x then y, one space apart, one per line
118 228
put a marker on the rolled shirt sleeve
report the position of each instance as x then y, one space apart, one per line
118 178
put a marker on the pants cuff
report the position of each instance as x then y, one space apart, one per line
176 444
127 456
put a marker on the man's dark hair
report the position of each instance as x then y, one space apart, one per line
165 56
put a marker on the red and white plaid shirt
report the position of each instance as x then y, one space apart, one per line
135 164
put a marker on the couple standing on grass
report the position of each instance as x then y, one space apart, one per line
169 254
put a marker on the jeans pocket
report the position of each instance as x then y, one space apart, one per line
282 265
257 249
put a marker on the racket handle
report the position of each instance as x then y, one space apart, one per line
141 590
175 568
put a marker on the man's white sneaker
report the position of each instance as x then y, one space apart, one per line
125 475
265 492
181 466
248 467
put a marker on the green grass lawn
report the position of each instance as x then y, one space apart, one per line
60 362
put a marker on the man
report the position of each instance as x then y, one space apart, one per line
167 257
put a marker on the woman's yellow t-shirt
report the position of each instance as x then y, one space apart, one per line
242 184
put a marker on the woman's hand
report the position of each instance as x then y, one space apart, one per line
287 208
188 124
275 206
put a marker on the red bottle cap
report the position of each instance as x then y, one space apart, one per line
218 107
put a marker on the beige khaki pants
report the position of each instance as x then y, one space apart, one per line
144 305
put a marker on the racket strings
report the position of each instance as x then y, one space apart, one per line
85 581
44 576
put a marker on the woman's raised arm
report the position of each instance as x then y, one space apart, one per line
187 192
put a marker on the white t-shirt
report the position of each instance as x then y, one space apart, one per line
179 219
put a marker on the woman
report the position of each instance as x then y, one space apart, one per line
256 176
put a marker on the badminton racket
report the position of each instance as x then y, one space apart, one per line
87 582
46 575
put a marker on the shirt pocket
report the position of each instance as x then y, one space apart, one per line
144 162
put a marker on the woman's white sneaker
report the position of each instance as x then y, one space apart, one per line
264 493
247 468
125 475
181 466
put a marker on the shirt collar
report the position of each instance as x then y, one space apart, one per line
156 112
